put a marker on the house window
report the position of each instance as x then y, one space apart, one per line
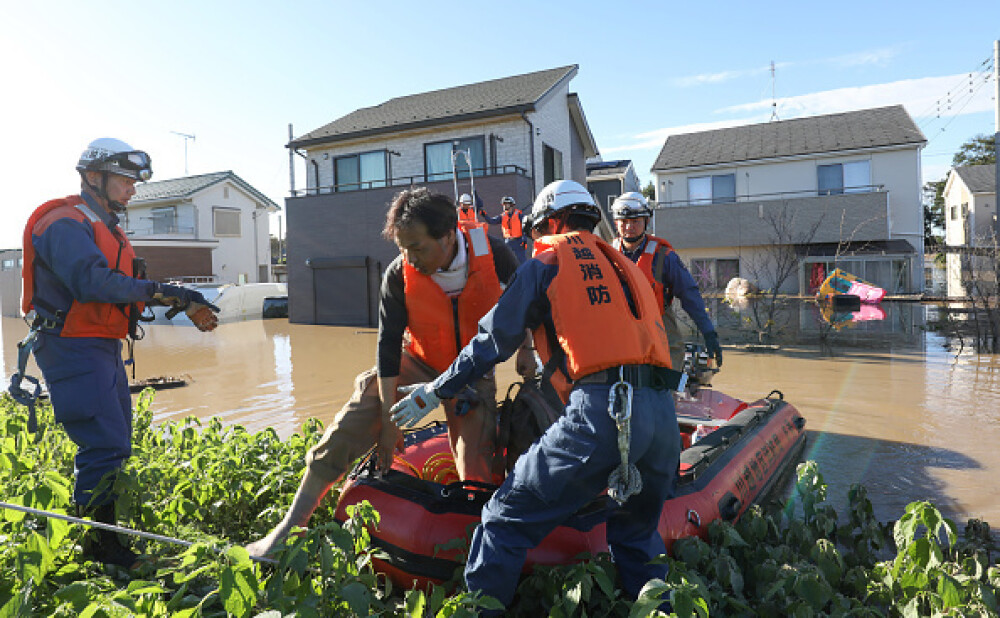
226 221
552 164
164 220
953 211
367 170
720 189
853 177
437 158
9 264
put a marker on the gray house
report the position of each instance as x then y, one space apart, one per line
515 135
839 190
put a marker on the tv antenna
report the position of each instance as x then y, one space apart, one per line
774 100
191 137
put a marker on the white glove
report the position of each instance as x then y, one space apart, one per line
419 401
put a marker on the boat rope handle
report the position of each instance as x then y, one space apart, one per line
438 467
625 480
119 529
694 518
412 468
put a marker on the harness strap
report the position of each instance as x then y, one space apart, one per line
21 395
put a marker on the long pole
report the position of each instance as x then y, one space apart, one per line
118 529
291 162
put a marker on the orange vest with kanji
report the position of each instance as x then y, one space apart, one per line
645 263
83 319
595 326
439 326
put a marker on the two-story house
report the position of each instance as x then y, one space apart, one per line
970 212
781 203
508 136
606 180
210 227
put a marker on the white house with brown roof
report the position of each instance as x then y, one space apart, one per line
970 212
210 227
520 133
834 190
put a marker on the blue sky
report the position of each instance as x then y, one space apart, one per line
235 74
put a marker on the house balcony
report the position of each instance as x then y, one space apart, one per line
787 218
159 231
491 183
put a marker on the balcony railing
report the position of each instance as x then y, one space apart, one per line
405 181
159 230
777 195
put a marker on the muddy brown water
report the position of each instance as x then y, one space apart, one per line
887 404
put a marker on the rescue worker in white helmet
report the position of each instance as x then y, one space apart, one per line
85 288
515 232
466 211
597 327
665 271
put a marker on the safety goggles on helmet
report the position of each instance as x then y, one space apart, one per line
507 200
135 163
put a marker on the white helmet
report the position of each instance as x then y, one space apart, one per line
563 195
508 200
465 199
107 154
631 205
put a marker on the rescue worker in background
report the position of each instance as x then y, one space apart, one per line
466 211
511 221
444 280
665 272
595 324
80 279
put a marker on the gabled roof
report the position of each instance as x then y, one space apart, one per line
866 128
496 97
185 187
608 168
979 178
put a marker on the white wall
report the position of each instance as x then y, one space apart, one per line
552 127
234 256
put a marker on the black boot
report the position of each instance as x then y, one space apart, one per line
104 545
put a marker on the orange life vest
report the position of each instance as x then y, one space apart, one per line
645 263
595 326
511 224
83 319
439 326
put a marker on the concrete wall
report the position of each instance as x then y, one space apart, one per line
10 283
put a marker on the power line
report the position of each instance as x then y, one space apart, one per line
972 95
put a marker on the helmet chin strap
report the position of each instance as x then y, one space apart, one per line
633 239
102 193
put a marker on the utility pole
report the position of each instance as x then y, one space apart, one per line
186 138
996 134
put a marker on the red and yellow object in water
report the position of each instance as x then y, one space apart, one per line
841 282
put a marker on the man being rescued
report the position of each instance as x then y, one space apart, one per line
444 280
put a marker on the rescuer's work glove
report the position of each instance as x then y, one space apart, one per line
419 402
180 296
713 347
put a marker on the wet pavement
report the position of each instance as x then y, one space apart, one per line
887 404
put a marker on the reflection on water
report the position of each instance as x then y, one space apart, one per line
886 404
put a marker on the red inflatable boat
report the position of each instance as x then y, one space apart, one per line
740 452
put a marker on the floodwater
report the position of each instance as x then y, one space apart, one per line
887 404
